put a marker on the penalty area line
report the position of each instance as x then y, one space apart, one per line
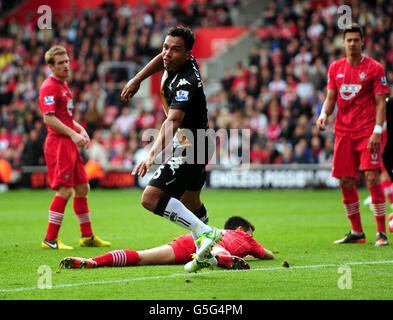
176 275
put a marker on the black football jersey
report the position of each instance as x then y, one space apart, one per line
183 90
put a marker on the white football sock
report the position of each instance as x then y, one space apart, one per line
176 211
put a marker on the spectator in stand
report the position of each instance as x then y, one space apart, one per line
32 154
315 149
97 150
305 87
258 155
287 154
326 154
125 121
92 117
301 152
272 153
273 131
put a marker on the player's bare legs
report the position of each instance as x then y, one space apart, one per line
64 192
372 178
82 190
122 258
191 199
155 256
150 197
159 202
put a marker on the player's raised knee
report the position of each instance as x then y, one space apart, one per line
148 201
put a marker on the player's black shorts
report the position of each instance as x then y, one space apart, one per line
176 176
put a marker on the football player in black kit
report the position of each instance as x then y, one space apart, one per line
174 190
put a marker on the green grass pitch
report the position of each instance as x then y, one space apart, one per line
297 225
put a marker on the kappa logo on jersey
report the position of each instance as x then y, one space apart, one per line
348 91
182 82
383 81
340 75
181 95
49 100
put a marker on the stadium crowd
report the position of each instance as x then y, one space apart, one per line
276 92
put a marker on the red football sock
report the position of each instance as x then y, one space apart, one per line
379 207
56 214
387 190
351 206
82 213
118 258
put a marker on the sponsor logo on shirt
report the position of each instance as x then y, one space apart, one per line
348 91
181 95
70 107
49 100
182 82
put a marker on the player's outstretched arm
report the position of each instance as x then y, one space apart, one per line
132 86
268 255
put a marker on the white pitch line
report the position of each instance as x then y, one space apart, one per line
195 274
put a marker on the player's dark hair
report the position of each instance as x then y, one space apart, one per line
234 222
185 33
353 27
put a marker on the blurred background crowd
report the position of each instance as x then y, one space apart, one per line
276 92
